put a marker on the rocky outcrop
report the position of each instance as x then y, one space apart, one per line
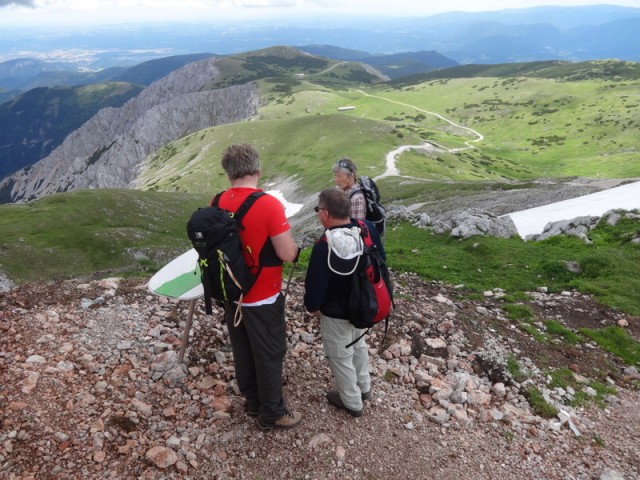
463 224
577 227
581 226
478 222
472 222
107 150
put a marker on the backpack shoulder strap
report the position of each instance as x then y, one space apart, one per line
216 199
364 232
358 190
246 205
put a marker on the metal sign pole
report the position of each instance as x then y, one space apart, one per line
187 327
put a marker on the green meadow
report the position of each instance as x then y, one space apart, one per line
506 129
86 232
128 232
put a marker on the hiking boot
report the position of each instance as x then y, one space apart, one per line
288 420
334 399
250 410
366 395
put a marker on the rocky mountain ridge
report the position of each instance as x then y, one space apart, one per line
92 388
107 149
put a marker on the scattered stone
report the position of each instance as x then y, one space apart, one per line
161 457
319 440
124 399
610 474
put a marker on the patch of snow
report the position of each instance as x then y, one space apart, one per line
533 220
290 209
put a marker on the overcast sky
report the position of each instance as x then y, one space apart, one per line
51 12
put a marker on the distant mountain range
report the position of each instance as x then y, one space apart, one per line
100 54
44 101
394 65
513 35
24 74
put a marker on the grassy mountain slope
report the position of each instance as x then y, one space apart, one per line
556 69
541 127
88 231
303 148
521 128
131 232
534 124
289 66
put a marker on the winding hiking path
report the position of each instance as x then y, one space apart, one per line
392 170
533 220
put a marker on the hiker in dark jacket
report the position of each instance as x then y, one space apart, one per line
327 289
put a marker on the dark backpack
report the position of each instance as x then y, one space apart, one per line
215 234
371 298
376 213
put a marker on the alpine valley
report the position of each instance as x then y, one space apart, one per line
505 357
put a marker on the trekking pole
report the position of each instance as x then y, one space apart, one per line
286 289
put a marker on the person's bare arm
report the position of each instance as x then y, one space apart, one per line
285 246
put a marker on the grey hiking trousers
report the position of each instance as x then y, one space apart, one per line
350 366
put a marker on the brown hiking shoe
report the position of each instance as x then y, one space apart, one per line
288 420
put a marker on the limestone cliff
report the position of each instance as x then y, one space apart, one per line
106 150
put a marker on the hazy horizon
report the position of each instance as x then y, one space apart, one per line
51 13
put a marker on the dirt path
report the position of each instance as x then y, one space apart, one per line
392 170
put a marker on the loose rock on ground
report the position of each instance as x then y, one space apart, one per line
92 388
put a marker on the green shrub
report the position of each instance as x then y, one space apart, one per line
516 311
539 404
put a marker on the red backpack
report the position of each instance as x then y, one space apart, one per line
371 297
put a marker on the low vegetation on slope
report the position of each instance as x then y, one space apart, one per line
606 269
507 124
192 164
89 231
83 232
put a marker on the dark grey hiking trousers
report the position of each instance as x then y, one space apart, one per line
259 344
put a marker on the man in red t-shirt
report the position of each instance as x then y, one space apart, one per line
259 340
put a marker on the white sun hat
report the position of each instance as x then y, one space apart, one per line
346 244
